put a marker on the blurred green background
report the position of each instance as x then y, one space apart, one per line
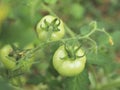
18 19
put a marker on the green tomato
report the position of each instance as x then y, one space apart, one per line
77 11
66 66
7 61
50 28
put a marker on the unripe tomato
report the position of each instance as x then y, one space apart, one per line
65 66
7 61
50 28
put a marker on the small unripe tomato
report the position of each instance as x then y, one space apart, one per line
50 28
66 66
7 61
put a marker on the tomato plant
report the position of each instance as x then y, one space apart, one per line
67 66
51 28
56 45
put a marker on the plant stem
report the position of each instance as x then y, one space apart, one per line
94 76
48 9
95 44
71 33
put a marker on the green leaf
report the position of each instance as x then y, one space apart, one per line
84 30
80 82
116 36
4 85
101 58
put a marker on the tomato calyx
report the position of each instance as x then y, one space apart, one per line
53 26
71 52
16 53
50 28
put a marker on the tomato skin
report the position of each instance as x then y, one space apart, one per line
43 33
9 63
68 67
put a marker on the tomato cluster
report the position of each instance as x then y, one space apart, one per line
66 61
52 28
14 65
13 60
